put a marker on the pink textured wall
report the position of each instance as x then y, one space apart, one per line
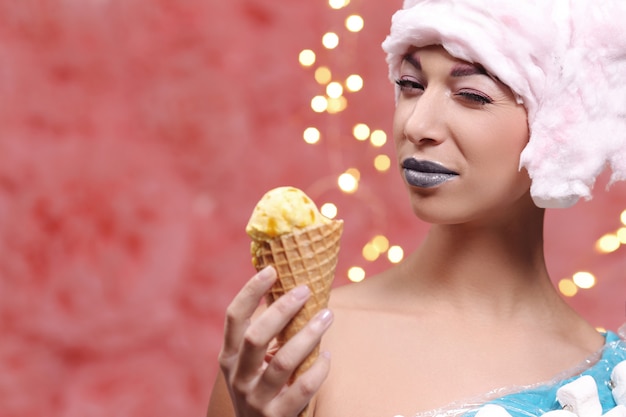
135 138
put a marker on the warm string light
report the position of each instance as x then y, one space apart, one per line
338 4
354 23
330 40
333 98
329 210
608 243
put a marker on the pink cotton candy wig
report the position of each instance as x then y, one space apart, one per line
565 60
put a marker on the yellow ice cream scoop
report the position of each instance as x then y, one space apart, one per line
280 211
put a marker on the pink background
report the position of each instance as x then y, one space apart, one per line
136 137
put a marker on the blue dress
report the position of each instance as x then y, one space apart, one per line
536 400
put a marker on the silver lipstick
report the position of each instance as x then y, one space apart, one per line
426 174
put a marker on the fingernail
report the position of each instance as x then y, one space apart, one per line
266 273
325 316
300 292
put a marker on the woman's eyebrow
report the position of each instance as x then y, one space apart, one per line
463 70
413 60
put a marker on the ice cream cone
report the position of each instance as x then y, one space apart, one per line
305 256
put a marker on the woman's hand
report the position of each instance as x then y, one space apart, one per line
257 378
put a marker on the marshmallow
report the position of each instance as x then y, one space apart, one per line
619 411
559 413
581 397
492 410
618 380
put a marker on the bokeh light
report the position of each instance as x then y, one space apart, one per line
330 40
567 287
608 243
354 23
378 138
370 252
334 90
348 183
381 243
354 172
395 254
329 210
354 83
361 131
584 279
307 58
311 135
338 4
356 274
323 75
336 105
319 104
382 163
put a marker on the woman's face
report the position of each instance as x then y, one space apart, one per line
459 134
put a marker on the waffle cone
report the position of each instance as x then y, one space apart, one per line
306 256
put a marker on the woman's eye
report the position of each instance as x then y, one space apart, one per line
409 86
475 97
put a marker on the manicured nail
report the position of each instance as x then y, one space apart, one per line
300 292
325 316
266 274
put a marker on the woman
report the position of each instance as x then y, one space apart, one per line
470 317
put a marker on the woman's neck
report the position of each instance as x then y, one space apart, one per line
489 269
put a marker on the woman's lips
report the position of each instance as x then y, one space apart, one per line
426 174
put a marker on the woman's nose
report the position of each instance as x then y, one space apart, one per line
426 120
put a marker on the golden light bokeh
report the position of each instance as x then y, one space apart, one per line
395 254
329 210
584 280
338 4
354 172
382 163
378 138
348 183
356 274
336 105
567 287
608 243
330 40
311 135
334 90
319 104
306 58
370 252
354 83
354 23
361 131
381 243
323 75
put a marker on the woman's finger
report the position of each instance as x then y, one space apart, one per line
290 356
295 397
259 334
242 307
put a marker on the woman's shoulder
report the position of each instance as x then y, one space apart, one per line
370 293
